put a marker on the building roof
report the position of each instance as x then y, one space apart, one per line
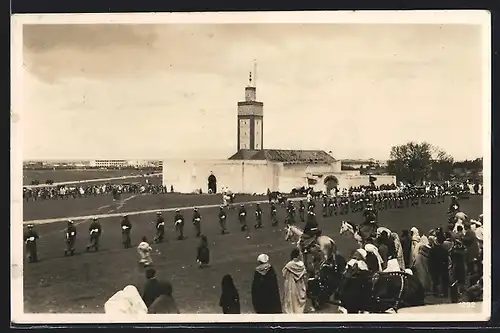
285 156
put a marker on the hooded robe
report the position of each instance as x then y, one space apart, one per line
294 293
265 291
165 303
422 265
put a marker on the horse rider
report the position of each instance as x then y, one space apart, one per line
160 228
222 220
95 231
274 218
30 238
197 221
453 209
311 232
302 211
242 216
370 224
70 238
179 224
258 216
126 228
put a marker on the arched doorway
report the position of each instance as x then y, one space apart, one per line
331 182
212 184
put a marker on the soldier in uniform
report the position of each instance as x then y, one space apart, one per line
258 216
274 218
197 221
30 238
325 206
160 228
95 231
242 215
126 228
70 239
290 209
179 224
302 211
331 206
222 220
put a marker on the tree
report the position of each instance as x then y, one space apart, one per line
411 162
442 165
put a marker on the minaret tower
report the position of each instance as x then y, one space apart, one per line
250 119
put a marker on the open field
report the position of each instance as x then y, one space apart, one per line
75 175
84 282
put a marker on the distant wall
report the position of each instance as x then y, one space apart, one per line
187 176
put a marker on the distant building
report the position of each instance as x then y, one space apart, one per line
253 169
109 163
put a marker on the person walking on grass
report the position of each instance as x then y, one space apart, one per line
230 298
265 291
294 291
203 252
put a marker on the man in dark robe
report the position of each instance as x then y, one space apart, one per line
406 246
438 267
152 288
265 291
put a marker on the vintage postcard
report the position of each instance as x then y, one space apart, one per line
242 167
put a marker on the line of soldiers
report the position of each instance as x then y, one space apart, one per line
330 206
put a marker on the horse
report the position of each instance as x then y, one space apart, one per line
324 266
380 292
348 228
277 197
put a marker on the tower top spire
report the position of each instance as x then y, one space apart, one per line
250 79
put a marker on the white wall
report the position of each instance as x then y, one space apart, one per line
239 176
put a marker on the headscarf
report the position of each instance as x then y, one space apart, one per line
264 265
263 258
415 234
373 249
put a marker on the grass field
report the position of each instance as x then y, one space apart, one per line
83 283
74 175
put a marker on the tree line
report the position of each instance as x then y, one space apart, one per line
417 162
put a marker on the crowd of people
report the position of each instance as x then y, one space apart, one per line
447 260
64 192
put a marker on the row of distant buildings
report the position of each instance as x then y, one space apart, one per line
105 163
352 164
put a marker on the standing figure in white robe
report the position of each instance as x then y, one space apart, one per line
144 250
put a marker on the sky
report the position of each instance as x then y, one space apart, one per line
171 90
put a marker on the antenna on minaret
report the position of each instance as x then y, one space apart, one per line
255 72
250 79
